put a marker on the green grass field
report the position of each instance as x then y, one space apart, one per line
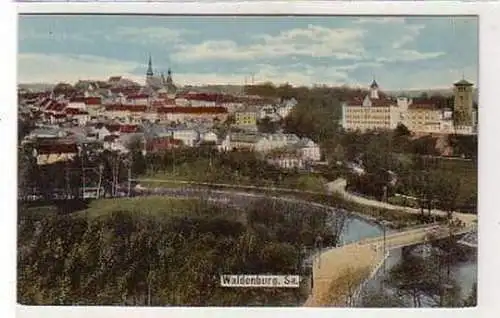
153 205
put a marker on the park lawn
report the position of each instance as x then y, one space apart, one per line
196 171
164 183
200 171
153 205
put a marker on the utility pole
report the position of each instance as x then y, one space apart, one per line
68 188
84 190
100 181
129 178
173 161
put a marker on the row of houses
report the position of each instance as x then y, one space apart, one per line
283 150
55 144
82 110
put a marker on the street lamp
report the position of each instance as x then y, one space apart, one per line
383 224
319 247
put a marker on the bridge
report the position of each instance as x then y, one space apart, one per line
339 273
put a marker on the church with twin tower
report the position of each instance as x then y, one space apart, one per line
156 83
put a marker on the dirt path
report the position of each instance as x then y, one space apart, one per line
339 185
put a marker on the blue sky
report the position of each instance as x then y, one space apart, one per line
401 52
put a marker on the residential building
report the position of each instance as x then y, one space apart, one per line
52 151
308 150
376 111
287 161
182 114
247 117
189 137
424 118
286 107
372 112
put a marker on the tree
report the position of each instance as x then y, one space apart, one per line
471 300
378 299
138 162
401 130
266 125
448 188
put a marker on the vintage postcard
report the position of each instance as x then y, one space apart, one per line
304 161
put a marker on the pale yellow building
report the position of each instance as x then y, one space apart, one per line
373 112
424 118
246 117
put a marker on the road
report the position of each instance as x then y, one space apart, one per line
339 185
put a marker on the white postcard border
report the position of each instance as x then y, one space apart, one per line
489 221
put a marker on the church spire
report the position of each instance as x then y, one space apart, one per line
169 77
150 67
374 89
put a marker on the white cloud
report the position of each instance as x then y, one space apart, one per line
43 68
267 73
409 56
411 33
313 41
53 68
149 35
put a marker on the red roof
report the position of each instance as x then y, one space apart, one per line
55 106
423 106
122 128
112 127
93 100
130 90
75 111
129 108
193 110
137 96
77 99
209 97
129 128
376 102
157 103
56 148
138 108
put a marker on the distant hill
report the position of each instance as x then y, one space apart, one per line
429 92
36 87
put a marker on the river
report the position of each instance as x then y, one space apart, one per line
464 272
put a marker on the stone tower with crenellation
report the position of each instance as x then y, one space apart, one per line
463 103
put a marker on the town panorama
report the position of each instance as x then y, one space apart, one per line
142 186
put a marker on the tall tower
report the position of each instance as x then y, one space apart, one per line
463 103
374 90
149 72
